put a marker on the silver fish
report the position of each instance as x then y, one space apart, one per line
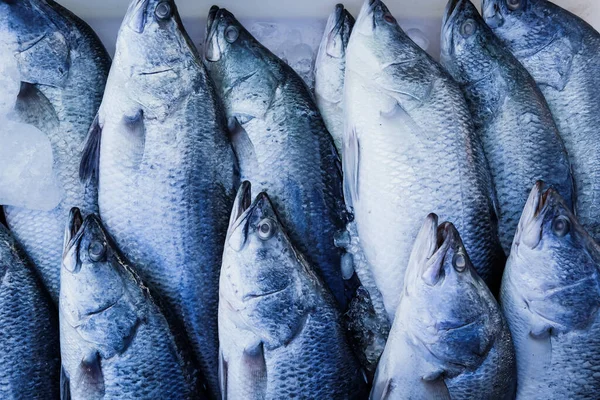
562 53
449 339
29 347
281 141
551 298
166 170
280 331
330 67
409 149
511 116
63 67
115 341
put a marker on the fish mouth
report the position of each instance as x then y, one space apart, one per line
241 204
529 230
73 229
364 21
490 11
212 49
136 15
453 8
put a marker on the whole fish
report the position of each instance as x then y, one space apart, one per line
562 53
521 140
330 68
551 297
280 141
166 170
63 67
115 342
29 347
280 332
409 149
449 339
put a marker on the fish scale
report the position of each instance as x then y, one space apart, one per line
29 329
65 119
521 140
166 171
417 153
560 51
280 141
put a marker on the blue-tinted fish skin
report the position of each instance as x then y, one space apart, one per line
562 53
512 118
63 67
551 298
29 345
280 141
115 341
166 170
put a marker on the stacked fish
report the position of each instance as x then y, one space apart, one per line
230 234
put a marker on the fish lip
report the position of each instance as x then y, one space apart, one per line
73 229
490 12
529 227
80 230
453 8
212 16
366 11
241 204
212 27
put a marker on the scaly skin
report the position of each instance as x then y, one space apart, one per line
551 297
29 348
410 149
512 118
63 108
167 172
280 141
562 54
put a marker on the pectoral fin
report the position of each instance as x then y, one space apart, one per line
350 164
65 385
90 378
90 159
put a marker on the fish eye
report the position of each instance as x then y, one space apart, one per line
561 226
163 10
459 261
97 250
389 18
513 4
266 229
467 28
231 34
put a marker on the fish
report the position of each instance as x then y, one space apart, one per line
449 339
166 170
277 319
115 341
63 67
281 142
29 342
330 67
410 148
520 138
562 53
551 296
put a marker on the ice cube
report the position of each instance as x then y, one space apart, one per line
10 82
27 177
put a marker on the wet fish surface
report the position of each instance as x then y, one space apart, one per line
449 339
277 320
115 341
29 347
410 149
562 53
551 297
330 68
166 171
63 67
280 141
521 140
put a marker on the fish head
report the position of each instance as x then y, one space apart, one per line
33 33
337 33
261 284
445 305
153 48
524 25
554 262
90 283
239 65
467 43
